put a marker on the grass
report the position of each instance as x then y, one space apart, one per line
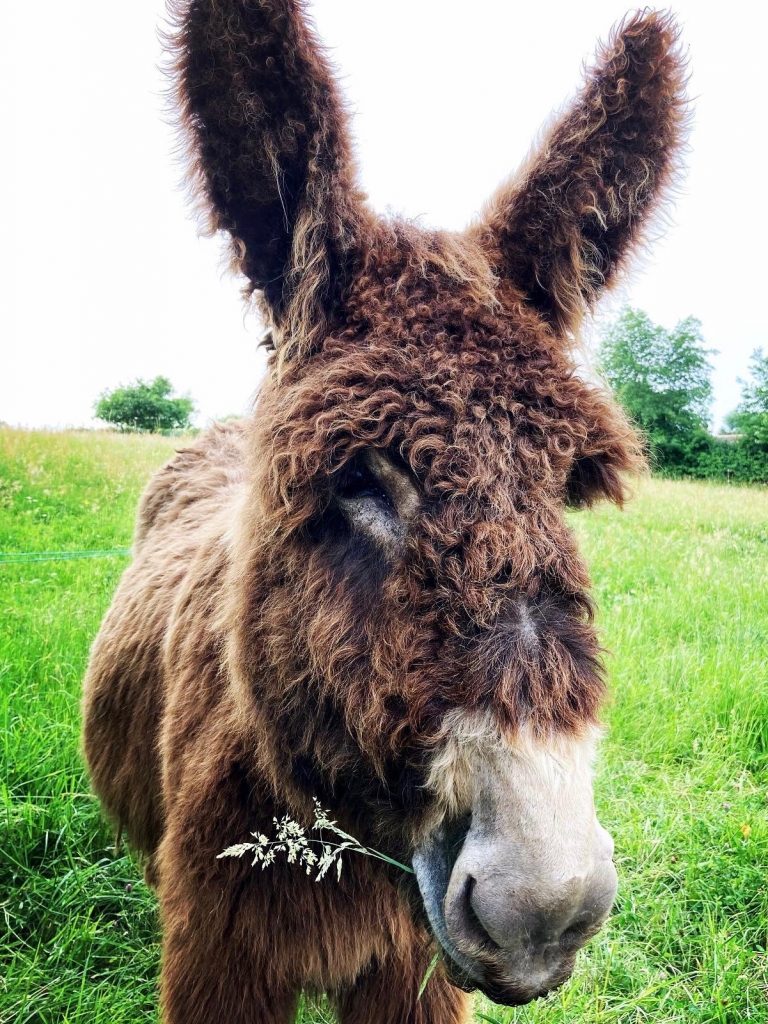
680 577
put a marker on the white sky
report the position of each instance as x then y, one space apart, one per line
107 280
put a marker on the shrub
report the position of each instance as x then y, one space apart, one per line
145 405
734 460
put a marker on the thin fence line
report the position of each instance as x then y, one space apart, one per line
7 557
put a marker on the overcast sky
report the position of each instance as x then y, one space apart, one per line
107 280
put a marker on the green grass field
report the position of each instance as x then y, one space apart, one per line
682 583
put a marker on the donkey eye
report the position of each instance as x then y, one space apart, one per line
359 481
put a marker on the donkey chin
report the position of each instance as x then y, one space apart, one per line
518 873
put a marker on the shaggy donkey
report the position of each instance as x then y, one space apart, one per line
368 592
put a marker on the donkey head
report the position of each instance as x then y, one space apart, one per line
411 628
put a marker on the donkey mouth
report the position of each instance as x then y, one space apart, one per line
433 863
480 970
433 867
511 976
464 971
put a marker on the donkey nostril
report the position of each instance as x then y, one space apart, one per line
575 935
474 924
469 887
463 918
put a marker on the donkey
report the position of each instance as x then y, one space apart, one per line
367 592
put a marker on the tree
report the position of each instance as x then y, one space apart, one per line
662 378
145 405
751 416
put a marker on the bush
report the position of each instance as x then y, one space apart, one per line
734 460
145 405
662 378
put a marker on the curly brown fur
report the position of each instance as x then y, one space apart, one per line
563 227
263 648
270 159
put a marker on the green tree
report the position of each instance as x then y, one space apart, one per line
751 416
145 405
662 378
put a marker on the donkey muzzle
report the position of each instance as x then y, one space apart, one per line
510 927
518 883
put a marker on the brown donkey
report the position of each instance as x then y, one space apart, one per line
368 592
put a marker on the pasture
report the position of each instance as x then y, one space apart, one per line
680 579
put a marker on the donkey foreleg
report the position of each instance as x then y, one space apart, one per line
214 969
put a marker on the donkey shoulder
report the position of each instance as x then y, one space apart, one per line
194 479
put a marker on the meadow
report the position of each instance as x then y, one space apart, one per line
681 581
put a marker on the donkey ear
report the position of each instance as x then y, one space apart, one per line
270 156
610 451
562 228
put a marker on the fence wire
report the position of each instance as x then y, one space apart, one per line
7 557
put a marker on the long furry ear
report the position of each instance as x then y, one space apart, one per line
270 156
561 229
610 453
